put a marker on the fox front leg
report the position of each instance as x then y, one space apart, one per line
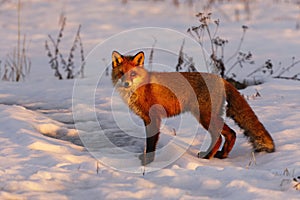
149 155
152 134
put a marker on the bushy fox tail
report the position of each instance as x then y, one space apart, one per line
239 110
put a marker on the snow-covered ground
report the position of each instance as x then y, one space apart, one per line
34 166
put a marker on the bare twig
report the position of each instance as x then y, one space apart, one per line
180 58
239 45
295 78
152 53
67 64
284 70
19 66
252 160
81 55
97 167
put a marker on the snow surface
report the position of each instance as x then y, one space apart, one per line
34 166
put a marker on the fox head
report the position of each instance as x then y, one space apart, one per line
128 71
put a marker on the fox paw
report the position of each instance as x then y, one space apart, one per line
220 155
146 158
205 155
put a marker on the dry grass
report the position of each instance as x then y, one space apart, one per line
17 64
58 62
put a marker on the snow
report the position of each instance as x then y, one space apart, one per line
58 138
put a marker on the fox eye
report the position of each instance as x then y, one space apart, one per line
133 74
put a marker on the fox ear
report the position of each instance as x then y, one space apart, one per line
117 59
138 59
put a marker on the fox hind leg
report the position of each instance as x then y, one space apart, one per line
214 150
230 137
214 127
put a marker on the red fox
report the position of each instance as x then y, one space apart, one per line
156 95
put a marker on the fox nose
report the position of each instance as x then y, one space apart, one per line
126 84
